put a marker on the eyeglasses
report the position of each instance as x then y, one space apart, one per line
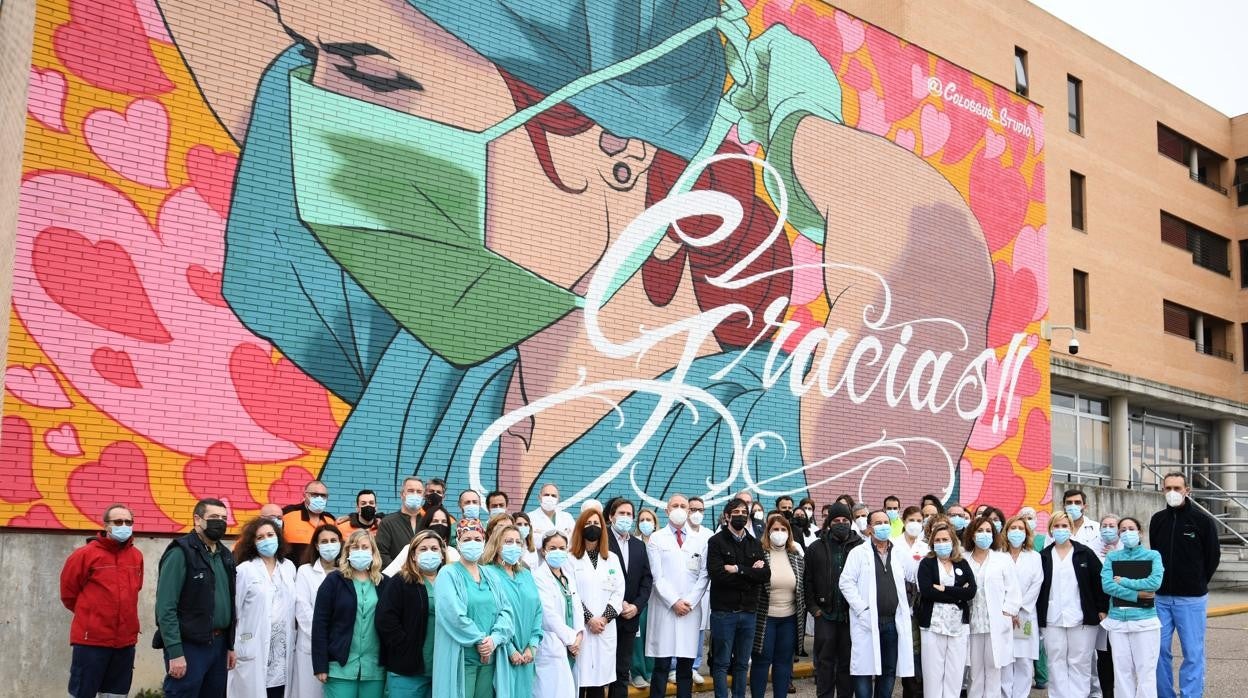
121 522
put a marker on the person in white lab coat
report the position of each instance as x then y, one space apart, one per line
1018 543
674 623
548 515
994 610
320 558
563 620
264 604
600 581
874 584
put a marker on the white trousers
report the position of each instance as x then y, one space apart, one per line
1135 663
944 659
1016 678
985 676
1072 652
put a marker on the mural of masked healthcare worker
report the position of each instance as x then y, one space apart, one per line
432 218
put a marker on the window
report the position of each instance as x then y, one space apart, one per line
1203 165
1243 335
1240 183
1081 300
1211 335
1243 266
1209 250
1080 433
1077 195
1074 103
1020 71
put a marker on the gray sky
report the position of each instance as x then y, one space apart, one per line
1201 46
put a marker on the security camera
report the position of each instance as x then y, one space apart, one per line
1073 347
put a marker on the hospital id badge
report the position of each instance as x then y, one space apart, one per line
695 562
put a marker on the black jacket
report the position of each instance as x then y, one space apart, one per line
825 559
735 592
394 532
1092 598
197 602
637 580
1187 539
333 622
960 594
402 620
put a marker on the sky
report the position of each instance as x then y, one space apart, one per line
1201 46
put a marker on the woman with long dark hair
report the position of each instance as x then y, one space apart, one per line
781 606
600 581
264 604
319 559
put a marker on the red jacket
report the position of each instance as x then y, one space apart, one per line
100 584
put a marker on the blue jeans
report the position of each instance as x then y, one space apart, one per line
732 638
779 644
1186 614
205 671
888 666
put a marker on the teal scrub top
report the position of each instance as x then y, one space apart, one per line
363 662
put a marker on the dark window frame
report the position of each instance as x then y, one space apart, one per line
1209 250
1078 201
1081 293
1074 104
1021 70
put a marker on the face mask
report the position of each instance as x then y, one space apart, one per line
592 533
678 517
914 529
267 547
943 549
1175 499
429 560
1031 524
695 517
329 551
549 502
471 550
997 526
779 538
360 560
881 532
368 512
623 525
1130 539
646 527
412 502
1109 535
1074 511
810 513
497 511
1061 535
433 500
839 531
556 558
214 529
442 530
524 531
317 504
121 534
983 540
738 522
787 514
861 523
893 514
960 522
758 516
472 511
1016 537
511 553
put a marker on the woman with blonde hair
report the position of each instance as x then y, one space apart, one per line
405 614
781 606
600 580
1070 608
346 652
504 552
1017 544
946 589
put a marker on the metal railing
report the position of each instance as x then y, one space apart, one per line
1209 494
1210 351
1204 179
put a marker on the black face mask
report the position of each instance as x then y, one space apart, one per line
442 530
739 521
214 529
592 533
800 522
787 514
368 512
839 531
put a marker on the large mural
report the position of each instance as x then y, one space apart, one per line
628 248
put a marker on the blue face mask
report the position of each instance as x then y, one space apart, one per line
1074 511
556 558
1061 535
1016 537
623 524
317 504
429 560
413 501
472 511
997 525
1130 539
267 547
329 551
893 514
360 560
960 522
524 531
511 553
646 527
943 549
471 550
497 511
983 540
121 534
1109 534
881 531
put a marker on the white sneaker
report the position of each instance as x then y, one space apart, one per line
697 678
640 682
671 677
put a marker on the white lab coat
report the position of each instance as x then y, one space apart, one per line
914 554
599 587
999 586
858 587
555 678
541 523
704 607
1030 576
303 683
257 599
679 573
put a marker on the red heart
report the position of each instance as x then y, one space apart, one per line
281 398
17 461
115 367
206 284
1002 486
221 473
1037 450
289 487
120 475
105 44
212 175
998 200
1013 301
98 282
38 516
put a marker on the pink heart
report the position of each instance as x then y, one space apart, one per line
46 101
919 87
289 487
807 277
934 128
63 441
905 138
852 32
871 113
971 481
17 462
133 145
1036 120
37 386
994 144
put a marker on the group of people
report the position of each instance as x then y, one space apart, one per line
486 601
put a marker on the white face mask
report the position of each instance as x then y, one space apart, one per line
695 518
1174 498
861 523
779 538
914 529
549 502
678 517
